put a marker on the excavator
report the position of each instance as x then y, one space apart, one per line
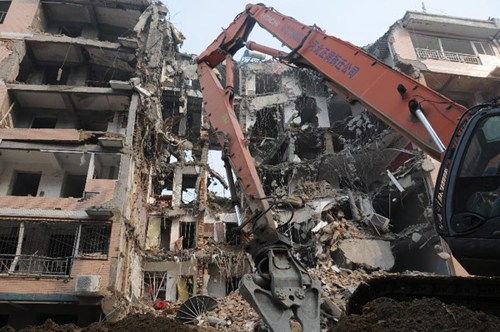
466 200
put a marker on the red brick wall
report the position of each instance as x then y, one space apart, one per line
104 188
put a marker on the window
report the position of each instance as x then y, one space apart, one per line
48 248
450 49
26 184
427 42
74 185
483 47
4 8
94 240
70 30
188 232
457 45
44 122
60 245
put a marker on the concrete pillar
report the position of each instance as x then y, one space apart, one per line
177 187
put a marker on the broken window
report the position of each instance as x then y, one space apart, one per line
94 240
74 185
43 122
266 83
188 194
155 286
188 233
4 8
26 184
70 30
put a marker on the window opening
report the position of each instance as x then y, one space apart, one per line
70 31
74 185
44 122
94 240
188 233
165 234
26 184
56 75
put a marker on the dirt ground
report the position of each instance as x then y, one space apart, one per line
380 315
385 314
133 323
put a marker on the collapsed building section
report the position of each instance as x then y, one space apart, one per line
353 196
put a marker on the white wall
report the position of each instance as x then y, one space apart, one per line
50 182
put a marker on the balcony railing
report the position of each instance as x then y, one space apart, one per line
35 265
424 53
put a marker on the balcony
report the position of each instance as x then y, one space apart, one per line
424 53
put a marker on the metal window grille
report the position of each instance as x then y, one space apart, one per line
94 240
37 248
48 248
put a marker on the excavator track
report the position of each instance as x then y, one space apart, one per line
476 293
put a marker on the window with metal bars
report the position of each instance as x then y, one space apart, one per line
48 248
94 240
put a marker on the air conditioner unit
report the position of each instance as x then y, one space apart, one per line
87 284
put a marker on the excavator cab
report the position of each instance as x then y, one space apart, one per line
467 197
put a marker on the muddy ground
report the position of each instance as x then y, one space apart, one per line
385 314
380 315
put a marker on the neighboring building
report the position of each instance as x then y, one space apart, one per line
458 57
78 151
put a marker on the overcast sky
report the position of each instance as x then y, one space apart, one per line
359 22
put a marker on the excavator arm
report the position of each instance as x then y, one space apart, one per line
348 70
281 288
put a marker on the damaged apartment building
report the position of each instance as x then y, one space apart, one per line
80 143
347 189
112 189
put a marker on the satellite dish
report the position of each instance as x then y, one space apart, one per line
191 310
